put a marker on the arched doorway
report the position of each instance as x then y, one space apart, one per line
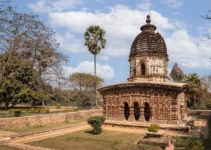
143 69
147 111
136 111
126 110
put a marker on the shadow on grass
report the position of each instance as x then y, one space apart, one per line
89 132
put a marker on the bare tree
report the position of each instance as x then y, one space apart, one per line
32 39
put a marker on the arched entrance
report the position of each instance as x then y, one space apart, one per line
143 69
136 111
126 110
147 111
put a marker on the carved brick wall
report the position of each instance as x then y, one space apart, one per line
155 69
166 106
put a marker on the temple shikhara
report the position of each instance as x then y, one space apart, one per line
148 96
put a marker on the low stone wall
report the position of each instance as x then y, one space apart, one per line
199 112
28 121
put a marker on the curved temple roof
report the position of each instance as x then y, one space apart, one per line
148 40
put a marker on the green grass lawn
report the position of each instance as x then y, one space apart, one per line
4 147
52 126
6 114
110 140
83 140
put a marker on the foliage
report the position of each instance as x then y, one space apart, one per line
209 127
54 96
94 39
190 143
193 78
199 96
176 73
207 141
195 144
58 106
96 123
17 113
84 81
33 110
19 81
83 87
23 37
154 128
25 34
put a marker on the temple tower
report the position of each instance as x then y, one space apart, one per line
148 56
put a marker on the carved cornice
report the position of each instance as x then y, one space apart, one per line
149 54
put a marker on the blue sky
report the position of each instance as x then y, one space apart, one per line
178 21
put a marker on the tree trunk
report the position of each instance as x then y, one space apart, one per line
6 105
95 82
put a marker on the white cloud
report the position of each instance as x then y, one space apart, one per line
144 5
38 7
104 71
70 43
53 5
122 25
173 3
188 52
120 32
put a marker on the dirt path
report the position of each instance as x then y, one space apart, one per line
49 134
123 129
19 141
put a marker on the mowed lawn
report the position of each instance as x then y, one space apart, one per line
46 127
3 147
83 140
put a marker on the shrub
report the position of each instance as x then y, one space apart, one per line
208 143
17 113
36 110
154 128
96 123
189 143
195 144
209 127
58 106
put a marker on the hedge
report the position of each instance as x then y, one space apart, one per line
36 110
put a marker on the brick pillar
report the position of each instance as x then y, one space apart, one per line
142 118
131 117
121 113
151 114
104 110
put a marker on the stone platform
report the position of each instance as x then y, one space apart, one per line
154 141
135 124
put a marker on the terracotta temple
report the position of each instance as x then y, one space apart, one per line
148 96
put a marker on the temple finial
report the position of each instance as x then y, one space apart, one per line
148 19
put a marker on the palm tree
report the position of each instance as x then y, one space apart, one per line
176 73
95 41
193 77
197 91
